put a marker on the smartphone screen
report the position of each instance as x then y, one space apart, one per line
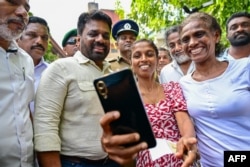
118 91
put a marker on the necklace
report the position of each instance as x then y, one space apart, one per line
152 95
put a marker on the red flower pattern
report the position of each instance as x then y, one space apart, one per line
164 125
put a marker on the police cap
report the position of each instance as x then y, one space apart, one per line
71 33
125 25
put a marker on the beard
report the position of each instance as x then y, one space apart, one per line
8 34
182 59
234 41
89 52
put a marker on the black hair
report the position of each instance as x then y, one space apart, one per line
92 15
35 19
236 15
150 42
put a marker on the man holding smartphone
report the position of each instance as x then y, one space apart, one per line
66 124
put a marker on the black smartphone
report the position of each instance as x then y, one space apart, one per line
118 91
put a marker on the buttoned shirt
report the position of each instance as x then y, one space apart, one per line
173 72
16 92
39 68
220 109
68 110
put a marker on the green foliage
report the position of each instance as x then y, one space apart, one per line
49 56
154 15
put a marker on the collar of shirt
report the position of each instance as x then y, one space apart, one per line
13 47
176 66
84 60
42 63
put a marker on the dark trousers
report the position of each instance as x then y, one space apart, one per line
74 162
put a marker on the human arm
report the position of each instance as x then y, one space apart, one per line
113 144
49 159
49 103
187 144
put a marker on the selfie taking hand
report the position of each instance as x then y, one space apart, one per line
114 144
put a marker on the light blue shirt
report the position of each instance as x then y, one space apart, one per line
38 73
220 108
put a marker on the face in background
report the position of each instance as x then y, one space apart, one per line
164 59
13 18
175 48
125 40
34 41
198 40
144 59
95 40
72 46
238 31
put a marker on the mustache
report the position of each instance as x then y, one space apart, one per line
241 33
99 44
17 20
38 46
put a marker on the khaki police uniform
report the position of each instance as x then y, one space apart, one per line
118 63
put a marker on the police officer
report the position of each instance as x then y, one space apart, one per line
70 42
125 33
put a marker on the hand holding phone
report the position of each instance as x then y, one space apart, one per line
118 91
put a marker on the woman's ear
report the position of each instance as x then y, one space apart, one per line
217 36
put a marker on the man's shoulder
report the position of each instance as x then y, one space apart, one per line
111 59
117 63
168 67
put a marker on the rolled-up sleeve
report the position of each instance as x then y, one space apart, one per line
49 102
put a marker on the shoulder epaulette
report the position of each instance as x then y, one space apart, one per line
110 60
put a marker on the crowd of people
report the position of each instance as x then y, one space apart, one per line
196 93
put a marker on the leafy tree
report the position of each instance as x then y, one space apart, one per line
154 15
49 55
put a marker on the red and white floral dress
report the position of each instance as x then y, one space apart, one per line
164 125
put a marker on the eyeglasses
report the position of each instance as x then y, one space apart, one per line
72 41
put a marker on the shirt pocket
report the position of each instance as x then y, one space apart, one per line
87 91
86 86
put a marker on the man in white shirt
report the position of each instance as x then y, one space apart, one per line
16 88
34 40
181 64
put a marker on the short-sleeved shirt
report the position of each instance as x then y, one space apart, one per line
220 108
164 125
16 92
68 110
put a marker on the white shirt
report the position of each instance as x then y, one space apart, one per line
173 72
220 108
16 92
68 110
226 56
